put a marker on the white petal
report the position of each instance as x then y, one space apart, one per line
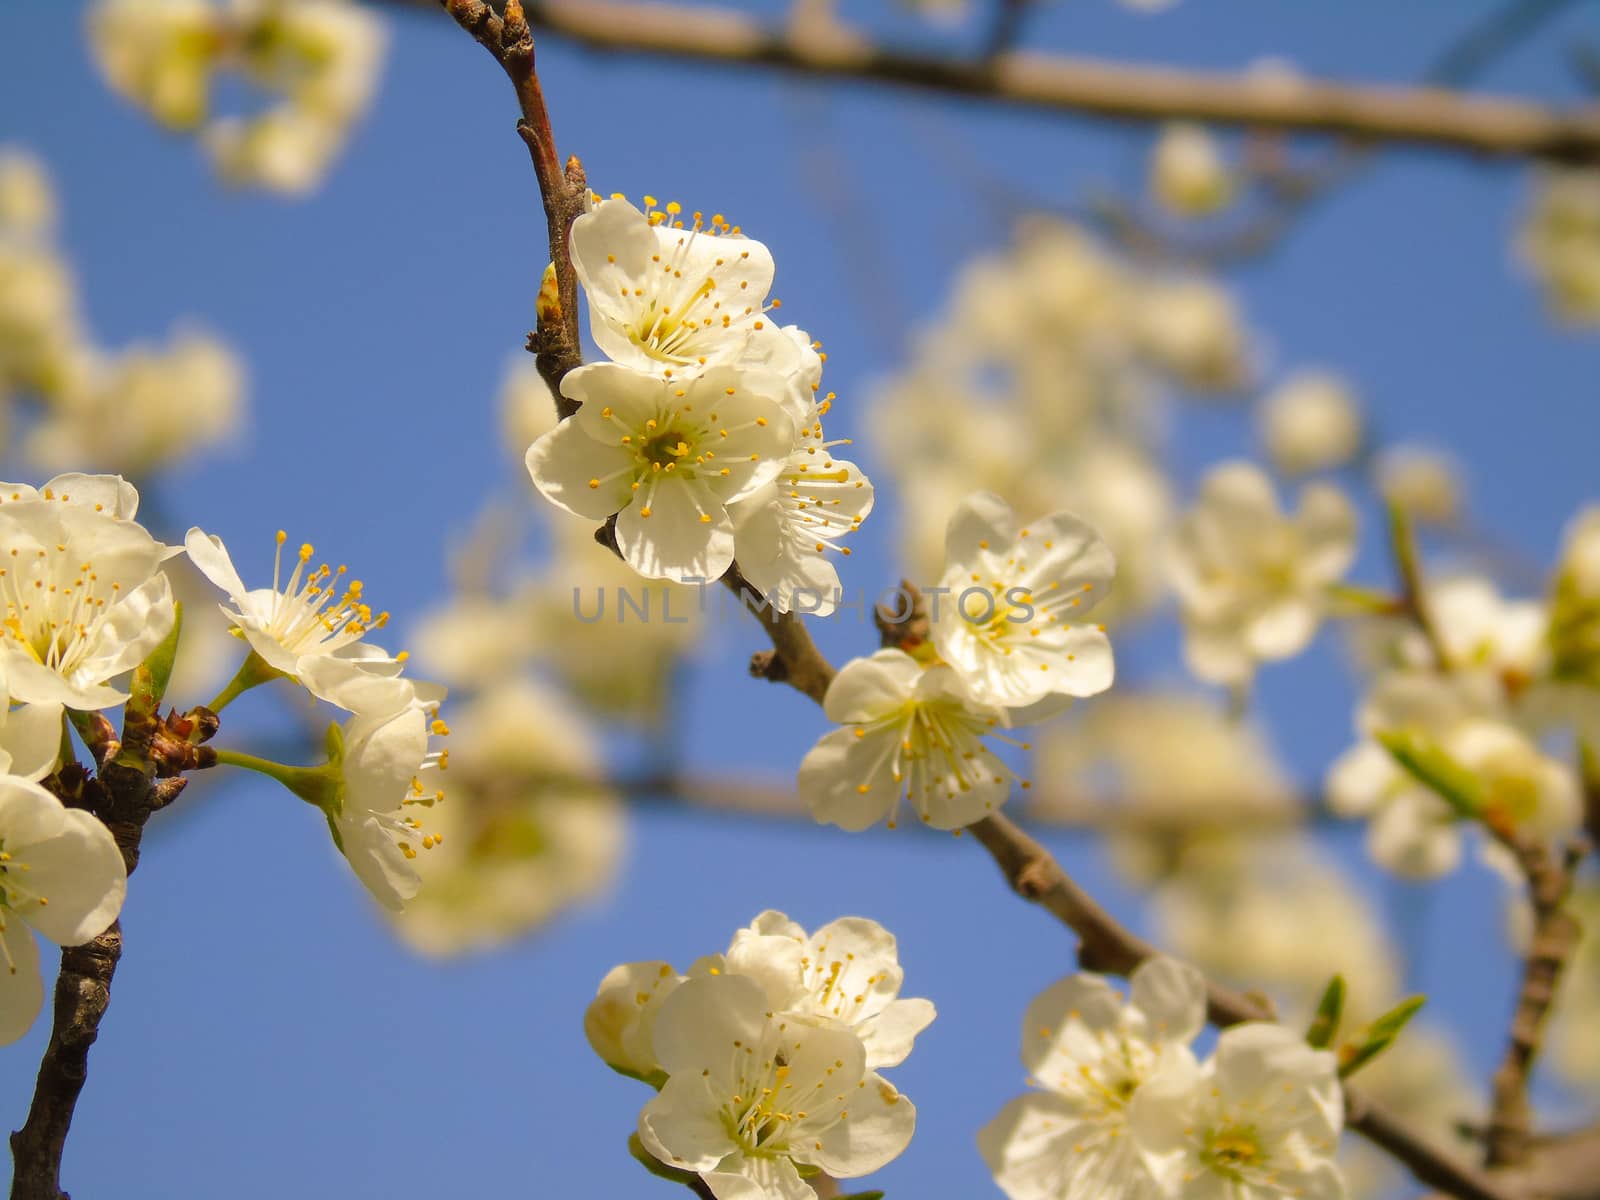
1327 522
31 736
835 771
741 1178
682 1125
210 556
21 987
982 517
79 872
1172 995
878 1129
869 688
134 627
378 862
1030 1148
1361 779
565 461
890 1034
698 1024
687 534
1056 1018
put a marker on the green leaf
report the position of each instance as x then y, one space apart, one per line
1428 764
1377 1037
863 1196
655 1166
1330 1009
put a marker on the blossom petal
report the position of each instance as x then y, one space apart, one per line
687 533
1172 995
846 780
868 688
878 1129
564 462
211 557
21 986
700 1021
682 1125
80 872
31 736
889 1035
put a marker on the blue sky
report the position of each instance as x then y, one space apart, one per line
267 1036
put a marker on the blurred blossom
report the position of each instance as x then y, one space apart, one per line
144 408
317 61
1311 422
1423 481
1045 383
527 410
529 826
1189 176
208 653
1168 770
1253 581
41 345
1192 329
1560 241
157 53
1414 831
135 410
27 201
1283 919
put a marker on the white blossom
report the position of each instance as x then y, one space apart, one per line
381 759
85 598
1423 481
666 457
666 299
1311 422
1561 241
1253 582
909 731
1261 1119
1015 627
61 874
530 829
1189 175
847 973
751 1096
1090 1054
317 612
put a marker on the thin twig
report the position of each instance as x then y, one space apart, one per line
563 190
1508 1140
1483 125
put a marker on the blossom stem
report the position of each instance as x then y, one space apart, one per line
315 785
253 672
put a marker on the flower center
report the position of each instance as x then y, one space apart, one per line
316 609
55 605
1233 1148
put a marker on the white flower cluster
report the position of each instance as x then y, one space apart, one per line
1046 382
1517 680
1124 1109
1011 643
136 409
312 627
317 59
85 601
705 429
1252 582
765 1058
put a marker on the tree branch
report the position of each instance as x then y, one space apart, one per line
1482 125
563 190
121 797
1509 1137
